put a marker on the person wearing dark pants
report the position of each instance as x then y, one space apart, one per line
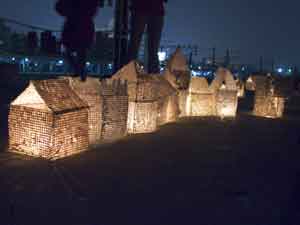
149 15
79 30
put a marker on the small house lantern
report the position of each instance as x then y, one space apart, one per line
270 97
200 101
48 120
240 88
250 83
114 108
178 74
108 107
143 96
90 92
225 93
168 105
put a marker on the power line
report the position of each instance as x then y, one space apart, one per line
32 27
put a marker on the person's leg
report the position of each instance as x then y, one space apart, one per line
138 24
154 29
81 63
71 61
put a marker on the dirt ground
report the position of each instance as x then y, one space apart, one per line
196 171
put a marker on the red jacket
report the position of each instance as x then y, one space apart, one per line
149 7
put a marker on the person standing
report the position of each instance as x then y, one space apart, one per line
146 14
79 31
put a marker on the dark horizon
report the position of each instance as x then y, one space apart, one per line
251 29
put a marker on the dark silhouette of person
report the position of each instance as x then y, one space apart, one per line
146 14
79 31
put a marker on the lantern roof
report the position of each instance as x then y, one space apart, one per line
223 76
177 62
199 85
53 95
165 88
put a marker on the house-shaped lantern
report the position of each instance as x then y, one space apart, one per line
225 93
200 101
250 83
270 96
108 107
114 115
178 74
240 88
168 101
48 120
143 99
90 92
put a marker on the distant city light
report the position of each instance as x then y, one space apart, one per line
110 66
88 63
26 60
280 70
290 70
13 58
60 62
162 56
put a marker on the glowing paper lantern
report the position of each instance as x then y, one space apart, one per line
200 101
108 107
178 74
48 120
225 93
177 71
168 105
241 88
114 109
250 83
269 98
90 92
143 99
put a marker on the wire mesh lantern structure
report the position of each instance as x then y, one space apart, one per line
143 96
250 83
48 120
225 94
114 94
108 107
178 74
240 88
90 92
270 97
168 101
200 101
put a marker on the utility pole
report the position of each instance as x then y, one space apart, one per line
213 56
191 59
273 66
227 58
120 33
261 64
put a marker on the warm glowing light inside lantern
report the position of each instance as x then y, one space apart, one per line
223 87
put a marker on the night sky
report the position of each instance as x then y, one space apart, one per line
251 28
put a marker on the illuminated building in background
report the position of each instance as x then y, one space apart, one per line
48 120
